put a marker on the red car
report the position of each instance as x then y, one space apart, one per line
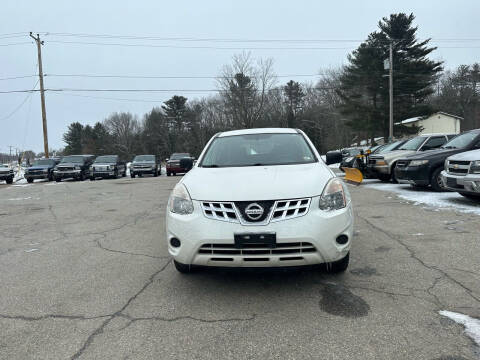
173 164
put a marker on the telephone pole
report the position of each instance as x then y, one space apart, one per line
390 85
42 92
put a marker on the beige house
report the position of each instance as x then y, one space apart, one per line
439 122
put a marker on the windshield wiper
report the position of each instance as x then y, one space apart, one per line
449 147
210 166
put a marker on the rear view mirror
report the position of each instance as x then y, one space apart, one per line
186 163
333 157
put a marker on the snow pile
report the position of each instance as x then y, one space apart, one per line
19 176
437 200
128 168
472 326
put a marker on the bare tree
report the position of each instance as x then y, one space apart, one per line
124 128
244 87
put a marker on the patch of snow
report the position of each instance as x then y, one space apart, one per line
436 200
31 250
20 199
472 326
128 169
418 234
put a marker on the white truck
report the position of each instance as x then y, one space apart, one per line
462 174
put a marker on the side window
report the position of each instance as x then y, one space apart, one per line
477 144
434 142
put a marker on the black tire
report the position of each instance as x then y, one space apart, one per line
174 174
155 173
436 181
182 268
29 180
384 177
9 181
81 177
58 179
132 175
474 197
393 176
92 178
339 266
169 173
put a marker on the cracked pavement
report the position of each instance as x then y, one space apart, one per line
85 274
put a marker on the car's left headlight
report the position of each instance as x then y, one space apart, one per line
335 196
77 167
180 201
475 167
45 170
418 162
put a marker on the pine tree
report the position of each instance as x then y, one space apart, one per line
73 139
294 96
364 86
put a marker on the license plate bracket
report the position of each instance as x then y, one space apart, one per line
245 239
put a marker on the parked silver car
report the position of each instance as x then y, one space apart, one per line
462 174
383 165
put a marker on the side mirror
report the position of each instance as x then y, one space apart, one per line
333 157
186 163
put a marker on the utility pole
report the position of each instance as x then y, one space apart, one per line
42 92
390 81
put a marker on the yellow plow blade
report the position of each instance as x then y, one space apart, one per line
353 176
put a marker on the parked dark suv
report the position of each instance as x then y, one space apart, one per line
423 169
41 169
173 164
73 166
144 164
107 166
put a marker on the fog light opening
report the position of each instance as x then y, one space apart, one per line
342 239
175 242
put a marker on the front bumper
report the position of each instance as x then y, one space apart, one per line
416 175
6 176
148 170
176 169
466 184
102 174
37 176
317 227
379 169
67 174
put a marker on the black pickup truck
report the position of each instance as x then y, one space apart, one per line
41 169
73 166
423 169
107 166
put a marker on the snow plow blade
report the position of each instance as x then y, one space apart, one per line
353 176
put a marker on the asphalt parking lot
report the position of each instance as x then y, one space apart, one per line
85 274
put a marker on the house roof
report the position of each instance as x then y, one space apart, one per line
418 118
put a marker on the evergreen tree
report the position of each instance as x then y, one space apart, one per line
294 96
364 86
73 139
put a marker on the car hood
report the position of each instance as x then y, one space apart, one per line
2 170
394 154
257 182
39 167
467 156
103 163
69 165
430 154
143 163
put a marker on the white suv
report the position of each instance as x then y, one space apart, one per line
260 198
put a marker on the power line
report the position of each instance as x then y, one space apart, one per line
18 43
18 77
21 104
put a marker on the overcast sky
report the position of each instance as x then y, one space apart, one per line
215 19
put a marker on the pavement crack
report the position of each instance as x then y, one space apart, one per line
99 330
101 246
51 316
423 263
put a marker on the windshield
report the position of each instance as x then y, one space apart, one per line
179 156
389 147
413 144
460 141
139 158
106 159
44 162
72 159
258 149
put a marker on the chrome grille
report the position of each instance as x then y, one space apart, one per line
296 248
281 210
289 209
224 211
458 167
66 168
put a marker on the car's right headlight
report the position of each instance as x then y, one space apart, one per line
475 167
335 196
180 201
418 162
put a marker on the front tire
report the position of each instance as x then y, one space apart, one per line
339 266
384 177
182 268
58 179
29 180
436 181
9 181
